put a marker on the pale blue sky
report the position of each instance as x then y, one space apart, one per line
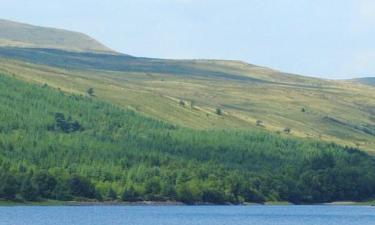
325 38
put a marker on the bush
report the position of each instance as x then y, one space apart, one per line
259 123
81 187
28 191
90 92
130 195
8 186
287 130
219 112
44 184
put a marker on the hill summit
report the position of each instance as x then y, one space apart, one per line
16 34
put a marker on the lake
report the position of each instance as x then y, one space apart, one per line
187 215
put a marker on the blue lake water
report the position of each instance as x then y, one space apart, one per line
187 215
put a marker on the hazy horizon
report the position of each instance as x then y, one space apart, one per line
323 39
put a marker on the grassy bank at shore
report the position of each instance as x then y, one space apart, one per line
170 203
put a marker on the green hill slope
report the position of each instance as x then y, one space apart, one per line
55 145
189 92
25 35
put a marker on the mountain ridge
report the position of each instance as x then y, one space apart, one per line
25 35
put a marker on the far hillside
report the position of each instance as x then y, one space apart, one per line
366 80
55 145
25 35
208 94
197 94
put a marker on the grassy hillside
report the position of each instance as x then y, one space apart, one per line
55 145
366 81
189 92
24 35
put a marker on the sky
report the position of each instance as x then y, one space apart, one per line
331 39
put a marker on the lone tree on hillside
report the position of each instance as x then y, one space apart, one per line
259 123
90 92
182 103
287 130
219 112
303 110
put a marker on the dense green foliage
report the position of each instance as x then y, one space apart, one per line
65 147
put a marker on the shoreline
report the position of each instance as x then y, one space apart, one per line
4 203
